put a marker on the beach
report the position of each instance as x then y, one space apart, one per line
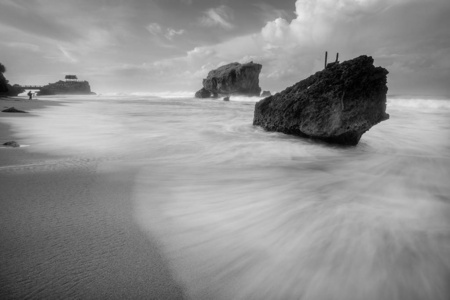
67 230
135 196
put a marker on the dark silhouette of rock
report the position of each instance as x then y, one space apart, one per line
66 88
336 105
14 90
227 98
13 110
7 89
13 144
234 78
3 85
266 94
202 93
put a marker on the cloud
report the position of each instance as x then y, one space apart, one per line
154 28
220 16
269 13
24 46
28 18
67 56
322 22
415 53
168 33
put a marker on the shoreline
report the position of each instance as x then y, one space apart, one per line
14 156
67 227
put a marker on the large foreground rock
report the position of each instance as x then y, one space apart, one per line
232 79
66 88
337 104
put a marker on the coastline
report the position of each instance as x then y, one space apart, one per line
67 227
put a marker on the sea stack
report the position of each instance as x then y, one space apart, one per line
232 79
69 87
337 105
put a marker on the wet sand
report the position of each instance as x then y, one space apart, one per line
67 230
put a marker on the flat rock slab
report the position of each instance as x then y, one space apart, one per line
13 110
12 144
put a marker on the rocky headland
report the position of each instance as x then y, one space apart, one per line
66 88
232 79
337 105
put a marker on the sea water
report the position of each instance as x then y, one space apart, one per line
242 213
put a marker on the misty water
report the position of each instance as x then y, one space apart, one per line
241 213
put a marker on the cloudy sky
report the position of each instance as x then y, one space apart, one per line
170 45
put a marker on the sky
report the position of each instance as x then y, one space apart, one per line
170 45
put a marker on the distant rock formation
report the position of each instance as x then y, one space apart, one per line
266 94
66 88
13 110
336 105
231 79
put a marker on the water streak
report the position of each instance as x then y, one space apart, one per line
247 214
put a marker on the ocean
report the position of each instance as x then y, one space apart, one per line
241 213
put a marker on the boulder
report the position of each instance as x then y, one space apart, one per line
234 78
202 93
13 144
13 110
336 105
266 94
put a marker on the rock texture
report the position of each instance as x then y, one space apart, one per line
234 78
66 87
336 105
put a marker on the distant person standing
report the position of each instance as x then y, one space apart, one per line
30 95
